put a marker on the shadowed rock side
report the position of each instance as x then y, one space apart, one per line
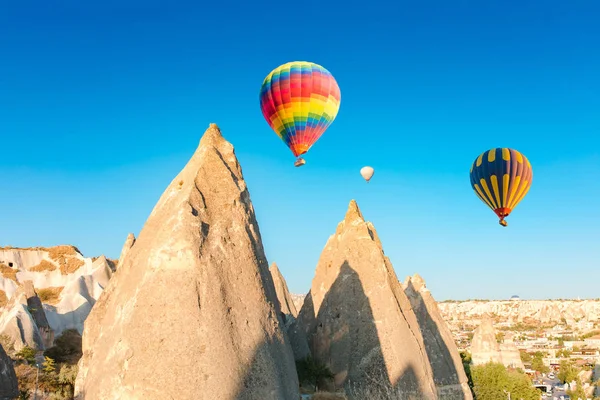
288 314
359 320
283 294
36 309
448 371
17 322
9 386
192 313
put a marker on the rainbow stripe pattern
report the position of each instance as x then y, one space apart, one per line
300 100
501 177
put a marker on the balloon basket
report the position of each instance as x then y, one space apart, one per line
299 162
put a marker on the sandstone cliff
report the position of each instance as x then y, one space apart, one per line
448 371
359 320
192 311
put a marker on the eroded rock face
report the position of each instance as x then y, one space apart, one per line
18 322
70 282
129 242
448 372
9 386
192 312
485 347
288 310
36 309
359 320
283 294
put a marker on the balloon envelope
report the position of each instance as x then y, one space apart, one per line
501 177
367 173
299 100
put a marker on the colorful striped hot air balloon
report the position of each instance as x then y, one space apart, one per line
501 178
300 100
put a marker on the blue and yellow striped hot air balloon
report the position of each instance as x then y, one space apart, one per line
501 178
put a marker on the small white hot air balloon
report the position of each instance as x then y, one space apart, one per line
367 173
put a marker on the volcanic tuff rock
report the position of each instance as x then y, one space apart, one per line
485 348
288 310
572 312
24 321
67 283
129 242
9 386
195 314
448 371
359 320
283 294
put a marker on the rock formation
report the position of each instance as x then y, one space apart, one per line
283 294
129 242
529 311
359 321
19 321
288 310
448 371
67 284
195 316
485 347
9 387
36 309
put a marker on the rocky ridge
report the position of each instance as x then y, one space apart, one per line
358 319
200 250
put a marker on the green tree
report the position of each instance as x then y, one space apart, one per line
492 380
525 356
48 365
28 354
537 363
578 393
568 372
561 342
66 378
312 371
500 337
466 362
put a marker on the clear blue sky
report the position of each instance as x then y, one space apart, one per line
102 103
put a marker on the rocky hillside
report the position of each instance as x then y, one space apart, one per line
574 313
44 291
570 312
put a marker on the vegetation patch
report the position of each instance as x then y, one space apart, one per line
494 380
312 372
50 295
70 265
67 248
8 272
3 298
67 347
8 344
44 265
54 382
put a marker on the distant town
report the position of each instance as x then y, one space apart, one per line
556 340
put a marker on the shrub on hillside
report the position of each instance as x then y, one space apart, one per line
313 372
67 347
27 354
